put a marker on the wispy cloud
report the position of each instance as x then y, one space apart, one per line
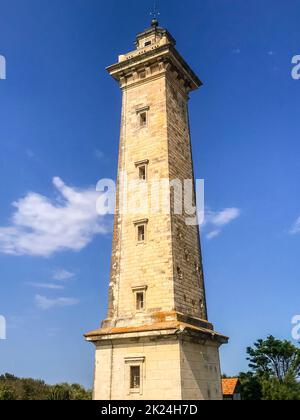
52 332
63 275
30 154
47 286
45 303
41 227
23 322
236 51
213 234
99 154
215 221
295 230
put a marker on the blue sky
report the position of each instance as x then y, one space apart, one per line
59 133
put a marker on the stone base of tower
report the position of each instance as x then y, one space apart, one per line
176 362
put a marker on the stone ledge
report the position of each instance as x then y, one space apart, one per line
158 329
165 53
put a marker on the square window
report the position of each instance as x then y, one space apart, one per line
142 111
142 172
140 301
142 168
134 368
141 231
135 378
139 298
143 119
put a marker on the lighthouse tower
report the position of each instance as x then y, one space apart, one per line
156 342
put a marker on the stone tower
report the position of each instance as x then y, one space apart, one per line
156 342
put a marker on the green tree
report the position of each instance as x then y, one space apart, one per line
275 371
7 393
34 389
286 390
60 392
13 388
8 377
79 393
275 358
251 387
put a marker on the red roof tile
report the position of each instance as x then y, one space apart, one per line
229 386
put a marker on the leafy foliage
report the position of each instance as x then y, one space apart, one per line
275 358
251 387
13 388
286 390
275 371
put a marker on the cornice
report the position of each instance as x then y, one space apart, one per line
167 56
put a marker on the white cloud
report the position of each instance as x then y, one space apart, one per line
99 154
30 154
23 322
296 227
213 234
214 222
44 303
224 217
42 227
52 332
48 286
62 275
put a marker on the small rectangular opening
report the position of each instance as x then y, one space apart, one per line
147 43
141 233
135 377
143 119
142 172
140 301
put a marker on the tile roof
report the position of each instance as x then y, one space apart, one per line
229 386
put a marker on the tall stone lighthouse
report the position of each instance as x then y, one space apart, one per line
156 342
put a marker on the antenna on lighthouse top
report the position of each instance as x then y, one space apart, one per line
154 13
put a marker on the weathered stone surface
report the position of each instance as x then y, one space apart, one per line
171 335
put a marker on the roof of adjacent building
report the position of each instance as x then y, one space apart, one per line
230 385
